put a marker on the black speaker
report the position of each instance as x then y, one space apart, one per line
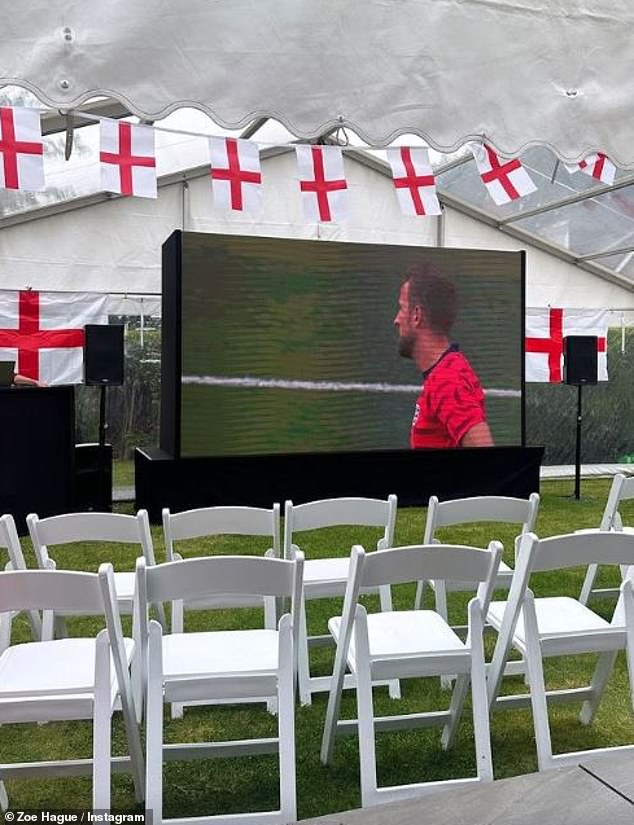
103 354
580 359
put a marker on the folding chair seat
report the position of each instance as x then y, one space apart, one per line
70 678
219 665
410 644
10 542
76 528
213 523
327 577
560 626
622 489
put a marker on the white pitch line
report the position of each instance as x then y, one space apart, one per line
247 382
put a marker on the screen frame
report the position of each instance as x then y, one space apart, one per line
171 343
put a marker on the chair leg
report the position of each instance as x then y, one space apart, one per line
154 726
455 710
177 708
270 622
481 728
4 797
102 726
588 583
420 595
334 704
385 598
303 662
600 677
535 672
286 724
365 717
440 595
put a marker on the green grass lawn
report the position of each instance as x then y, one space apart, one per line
226 786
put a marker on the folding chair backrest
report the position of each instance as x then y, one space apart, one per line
622 489
216 575
221 521
501 509
432 561
208 576
87 527
66 591
575 549
10 542
335 512
50 590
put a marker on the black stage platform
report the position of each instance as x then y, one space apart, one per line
414 475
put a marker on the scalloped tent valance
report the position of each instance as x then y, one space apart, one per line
514 72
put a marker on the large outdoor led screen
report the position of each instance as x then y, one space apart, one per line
290 346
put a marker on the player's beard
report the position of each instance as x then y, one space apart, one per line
406 345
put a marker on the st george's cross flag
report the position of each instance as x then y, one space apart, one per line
414 180
322 183
128 159
546 330
598 166
43 332
236 174
505 180
21 149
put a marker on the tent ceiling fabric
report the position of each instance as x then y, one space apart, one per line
514 72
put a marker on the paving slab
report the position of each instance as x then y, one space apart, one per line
565 796
615 770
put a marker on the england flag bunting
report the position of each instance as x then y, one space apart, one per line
598 166
414 180
546 330
21 149
128 159
236 174
505 180
43 332
323 186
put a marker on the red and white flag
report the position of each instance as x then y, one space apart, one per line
128 159
322 183
598 166
546 330
414 180
43 332
505 180
21 149
236 174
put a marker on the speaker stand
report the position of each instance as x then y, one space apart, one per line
105 495
578 446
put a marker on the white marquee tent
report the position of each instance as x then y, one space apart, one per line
544 80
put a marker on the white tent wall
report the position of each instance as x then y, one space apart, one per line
114 244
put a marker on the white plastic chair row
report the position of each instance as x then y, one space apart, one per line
421 643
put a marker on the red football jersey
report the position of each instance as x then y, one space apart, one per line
450 403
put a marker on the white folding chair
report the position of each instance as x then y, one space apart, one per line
209 522
76 528
10 542
466 511
327 577
217 665
560 626
409 644
71 678
622 489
